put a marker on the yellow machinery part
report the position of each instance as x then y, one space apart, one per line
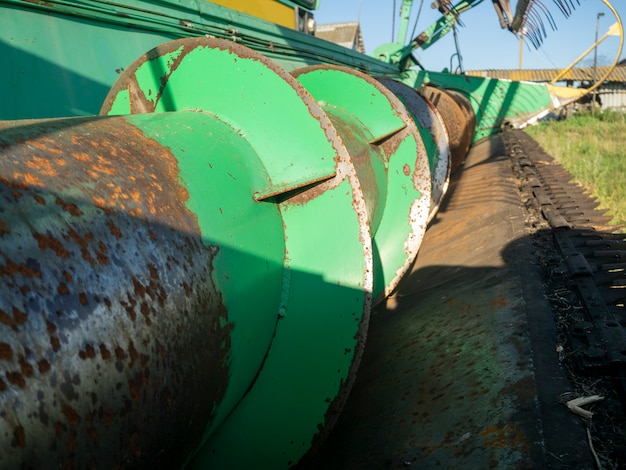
270 10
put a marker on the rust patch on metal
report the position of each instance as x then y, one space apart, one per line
500 301
15 378
25 367
391 143
19 438
72 417
503 437
421 39
4 229
55 343
19 317
69 207
11 268
115 231
6 352
43 366
47 242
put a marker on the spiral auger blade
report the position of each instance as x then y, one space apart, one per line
434 135
391 161
189 275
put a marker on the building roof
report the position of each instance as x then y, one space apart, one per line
345 34
582 74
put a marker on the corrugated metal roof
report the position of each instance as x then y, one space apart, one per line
345 34
583 74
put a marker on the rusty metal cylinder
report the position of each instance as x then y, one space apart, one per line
107 297
458 117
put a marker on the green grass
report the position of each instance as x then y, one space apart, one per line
593 150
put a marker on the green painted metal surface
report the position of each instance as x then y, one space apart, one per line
495 102
326 278
245 106
443 25
249 236
390 159
320 336
39 40
400 53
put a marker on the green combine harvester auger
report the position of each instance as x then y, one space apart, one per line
188 272
212 279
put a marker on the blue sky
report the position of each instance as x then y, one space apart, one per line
483 44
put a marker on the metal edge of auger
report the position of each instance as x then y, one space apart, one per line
390 158
435 136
